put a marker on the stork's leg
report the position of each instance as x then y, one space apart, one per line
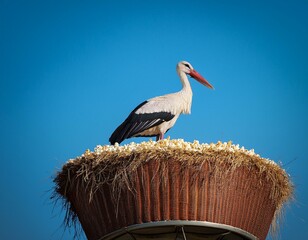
159 137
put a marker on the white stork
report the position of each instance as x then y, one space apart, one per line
157 115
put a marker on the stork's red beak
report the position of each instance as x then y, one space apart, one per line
194 74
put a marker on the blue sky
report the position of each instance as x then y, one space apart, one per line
71 71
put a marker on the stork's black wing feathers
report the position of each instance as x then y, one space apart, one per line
137 123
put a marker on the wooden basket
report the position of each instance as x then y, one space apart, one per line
159 185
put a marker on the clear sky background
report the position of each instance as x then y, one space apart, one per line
71 71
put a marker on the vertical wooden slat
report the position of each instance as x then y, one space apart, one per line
155 198
193 191
183 196
165 193
145 194
174 192
138 196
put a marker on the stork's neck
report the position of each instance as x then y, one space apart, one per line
185 82
186 93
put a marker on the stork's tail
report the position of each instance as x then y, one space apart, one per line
118 134
123 131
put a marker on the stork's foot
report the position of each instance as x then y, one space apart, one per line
159 137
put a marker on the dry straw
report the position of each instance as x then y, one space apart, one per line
117 167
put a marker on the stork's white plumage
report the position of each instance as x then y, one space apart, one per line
156 116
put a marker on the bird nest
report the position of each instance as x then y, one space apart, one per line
85 178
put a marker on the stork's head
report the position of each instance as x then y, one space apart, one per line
187 68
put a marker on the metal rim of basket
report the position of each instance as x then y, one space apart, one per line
180 225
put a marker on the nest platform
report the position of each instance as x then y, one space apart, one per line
180 187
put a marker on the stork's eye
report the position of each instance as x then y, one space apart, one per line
187 65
